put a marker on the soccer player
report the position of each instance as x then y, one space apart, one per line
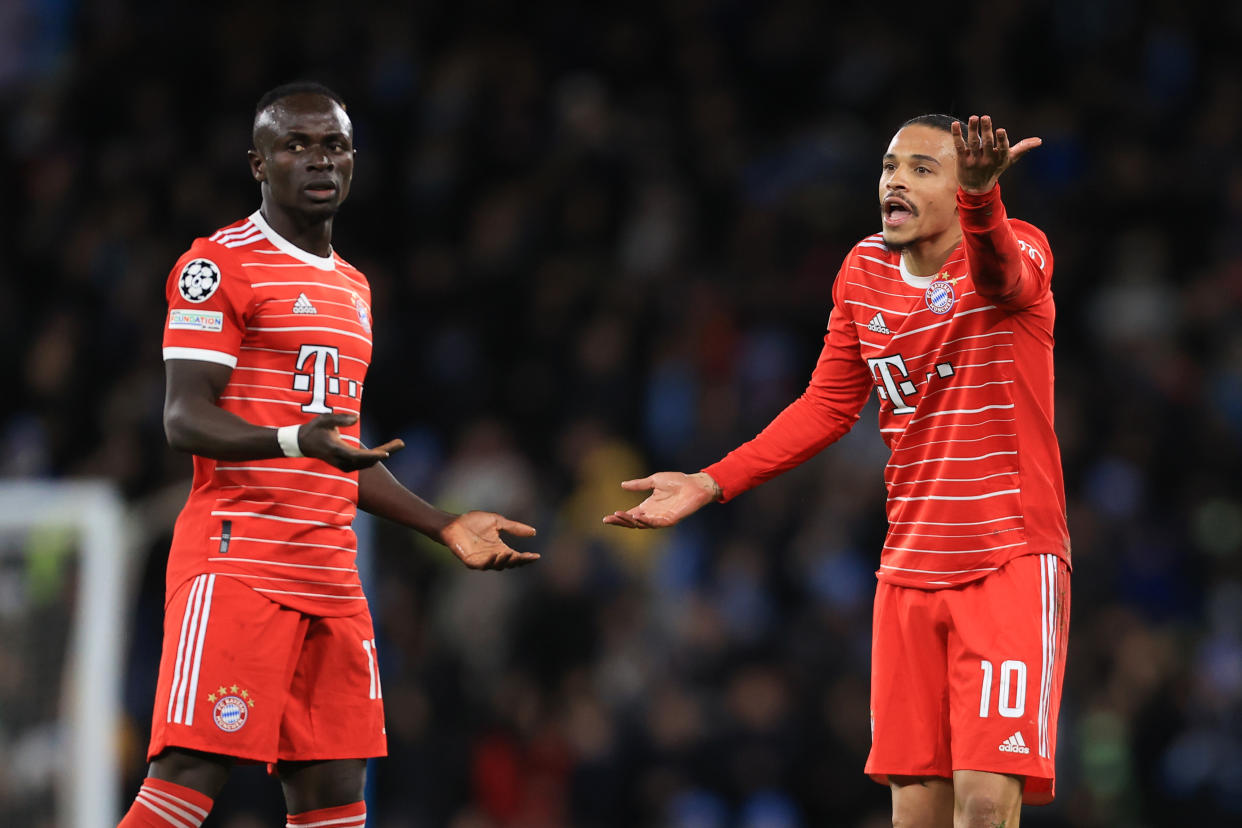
269 655
948 313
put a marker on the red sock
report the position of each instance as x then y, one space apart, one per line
353 815
161 804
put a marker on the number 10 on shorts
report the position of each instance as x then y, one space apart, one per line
1012 684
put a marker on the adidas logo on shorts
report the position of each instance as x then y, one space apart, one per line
1014 744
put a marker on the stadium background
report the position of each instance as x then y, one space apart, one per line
601 242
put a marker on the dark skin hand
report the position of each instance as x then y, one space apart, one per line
195 424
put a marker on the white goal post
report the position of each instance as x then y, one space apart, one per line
87 790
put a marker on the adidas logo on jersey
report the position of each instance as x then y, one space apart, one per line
877 324
303 305
1014 744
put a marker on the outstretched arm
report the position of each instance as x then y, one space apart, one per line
195 423
827 409
474 537
1000 271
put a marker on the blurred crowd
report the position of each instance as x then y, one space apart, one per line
601 241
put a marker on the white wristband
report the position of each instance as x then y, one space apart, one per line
287 436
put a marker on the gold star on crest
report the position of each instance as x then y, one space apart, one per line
245 695
234 688
222 690
211 697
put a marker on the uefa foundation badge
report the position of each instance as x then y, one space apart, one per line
232 708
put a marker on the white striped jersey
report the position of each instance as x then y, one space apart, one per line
965 383
296 330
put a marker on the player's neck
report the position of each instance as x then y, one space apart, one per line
926 257
312 235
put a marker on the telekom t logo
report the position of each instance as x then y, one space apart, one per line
893 386
893 378
317 380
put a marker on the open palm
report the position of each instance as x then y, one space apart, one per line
475 538
674 496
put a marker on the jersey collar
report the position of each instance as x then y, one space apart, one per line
289 248
920 282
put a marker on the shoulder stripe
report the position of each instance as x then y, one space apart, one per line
242 241
227 232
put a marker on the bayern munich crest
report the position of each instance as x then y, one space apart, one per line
364 318
232 708
199 279
939 296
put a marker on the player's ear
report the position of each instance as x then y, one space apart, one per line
257 168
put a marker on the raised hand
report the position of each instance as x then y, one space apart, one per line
983 153
474 537
321 438
674 496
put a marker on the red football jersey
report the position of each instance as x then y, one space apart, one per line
296 330
962 363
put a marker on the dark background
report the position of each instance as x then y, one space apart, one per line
601 243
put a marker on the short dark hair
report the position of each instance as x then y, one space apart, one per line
286 90
935 121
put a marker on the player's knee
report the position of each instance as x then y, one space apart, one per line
311 786
202 772
984 810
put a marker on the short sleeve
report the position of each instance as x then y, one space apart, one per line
208 303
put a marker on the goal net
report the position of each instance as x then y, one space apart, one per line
62 615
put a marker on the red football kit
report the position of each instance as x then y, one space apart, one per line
268 648
974 591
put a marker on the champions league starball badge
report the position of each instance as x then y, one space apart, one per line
939 296
232 708
199 279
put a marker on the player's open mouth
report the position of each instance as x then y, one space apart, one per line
895 212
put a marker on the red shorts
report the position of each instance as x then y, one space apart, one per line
970 678
246 677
